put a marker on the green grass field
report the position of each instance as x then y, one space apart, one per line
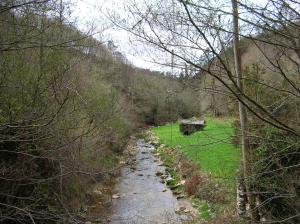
210 148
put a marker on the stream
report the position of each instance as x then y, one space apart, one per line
140 195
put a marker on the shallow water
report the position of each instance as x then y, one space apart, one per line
143 198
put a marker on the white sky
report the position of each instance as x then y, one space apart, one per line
90 13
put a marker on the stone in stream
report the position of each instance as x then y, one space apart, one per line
187 211
168 169
140 174
164 177
174 187
180 210
115 196
169 181
132 168
164 190
180 197
158 173
122 162
176 192
97 192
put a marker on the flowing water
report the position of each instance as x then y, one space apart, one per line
141 197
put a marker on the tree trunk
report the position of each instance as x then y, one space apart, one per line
214 102
246 151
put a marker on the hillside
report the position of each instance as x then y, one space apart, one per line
270 68
270 64
68 106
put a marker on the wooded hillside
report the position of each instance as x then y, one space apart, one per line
68 105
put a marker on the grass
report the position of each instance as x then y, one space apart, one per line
203 208
210 148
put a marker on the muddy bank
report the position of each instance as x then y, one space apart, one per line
140 196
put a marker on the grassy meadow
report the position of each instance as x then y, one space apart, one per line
210 148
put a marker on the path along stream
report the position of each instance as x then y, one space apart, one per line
141 197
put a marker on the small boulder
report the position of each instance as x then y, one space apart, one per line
163 177
97 192
159 173
180 210
187 211
180 196
115 196
122 162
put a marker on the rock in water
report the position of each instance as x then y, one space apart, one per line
158 173
115 196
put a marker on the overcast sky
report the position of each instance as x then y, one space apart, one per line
92 13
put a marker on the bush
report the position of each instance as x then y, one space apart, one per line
194 183
276 175
213 192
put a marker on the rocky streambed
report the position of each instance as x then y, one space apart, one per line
140 194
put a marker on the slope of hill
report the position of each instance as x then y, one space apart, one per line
68 106
270 66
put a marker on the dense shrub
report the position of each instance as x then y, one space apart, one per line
276 175
57 120
214 192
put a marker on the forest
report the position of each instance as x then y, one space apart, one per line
77 115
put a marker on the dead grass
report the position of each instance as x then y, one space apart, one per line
194 183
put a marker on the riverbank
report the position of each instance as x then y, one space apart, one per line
206 162
97 206
138 194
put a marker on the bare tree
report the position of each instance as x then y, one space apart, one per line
201 34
